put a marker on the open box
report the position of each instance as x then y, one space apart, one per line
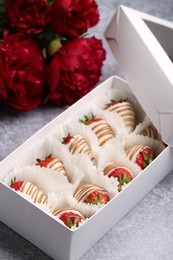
142 45
37 226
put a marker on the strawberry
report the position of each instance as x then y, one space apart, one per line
121 171
52 163
69 215
123 175
88 121
125 109
91 193
100 128
113 102
78 144
71 219
29 189
16 184
145 157
140 154
152 132
44 162
67 139
97 197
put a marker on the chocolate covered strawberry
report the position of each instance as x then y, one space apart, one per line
123 174
92 194
100 128
29 189
140 154
52 163
77 144
69 215
151 131
125 109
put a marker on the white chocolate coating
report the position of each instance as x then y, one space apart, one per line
113 166
102 130
35 193
151 131
126 111
61 211
57 165
78 144
83 191
109 168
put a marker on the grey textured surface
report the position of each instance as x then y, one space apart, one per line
146 232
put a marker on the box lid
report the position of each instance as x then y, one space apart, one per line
143 46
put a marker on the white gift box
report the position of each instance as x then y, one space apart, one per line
140 44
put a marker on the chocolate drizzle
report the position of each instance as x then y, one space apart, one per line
133 151
57 165
126 111
83 191
109 168
79 145
34 192
151 131
59 212
102 130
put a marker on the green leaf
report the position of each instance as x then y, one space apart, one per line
121 178
69 223
76 221
48 156
145 156
87 119
13 181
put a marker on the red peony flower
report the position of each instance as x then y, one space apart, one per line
29 16
21 72
74 70
72 18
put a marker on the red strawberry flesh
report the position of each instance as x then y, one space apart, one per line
89 120
112 103
44 163
145 157
97 197
123 175
70 219
67 139
16 185
120 170
93 120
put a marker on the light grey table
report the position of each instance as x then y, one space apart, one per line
146 232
